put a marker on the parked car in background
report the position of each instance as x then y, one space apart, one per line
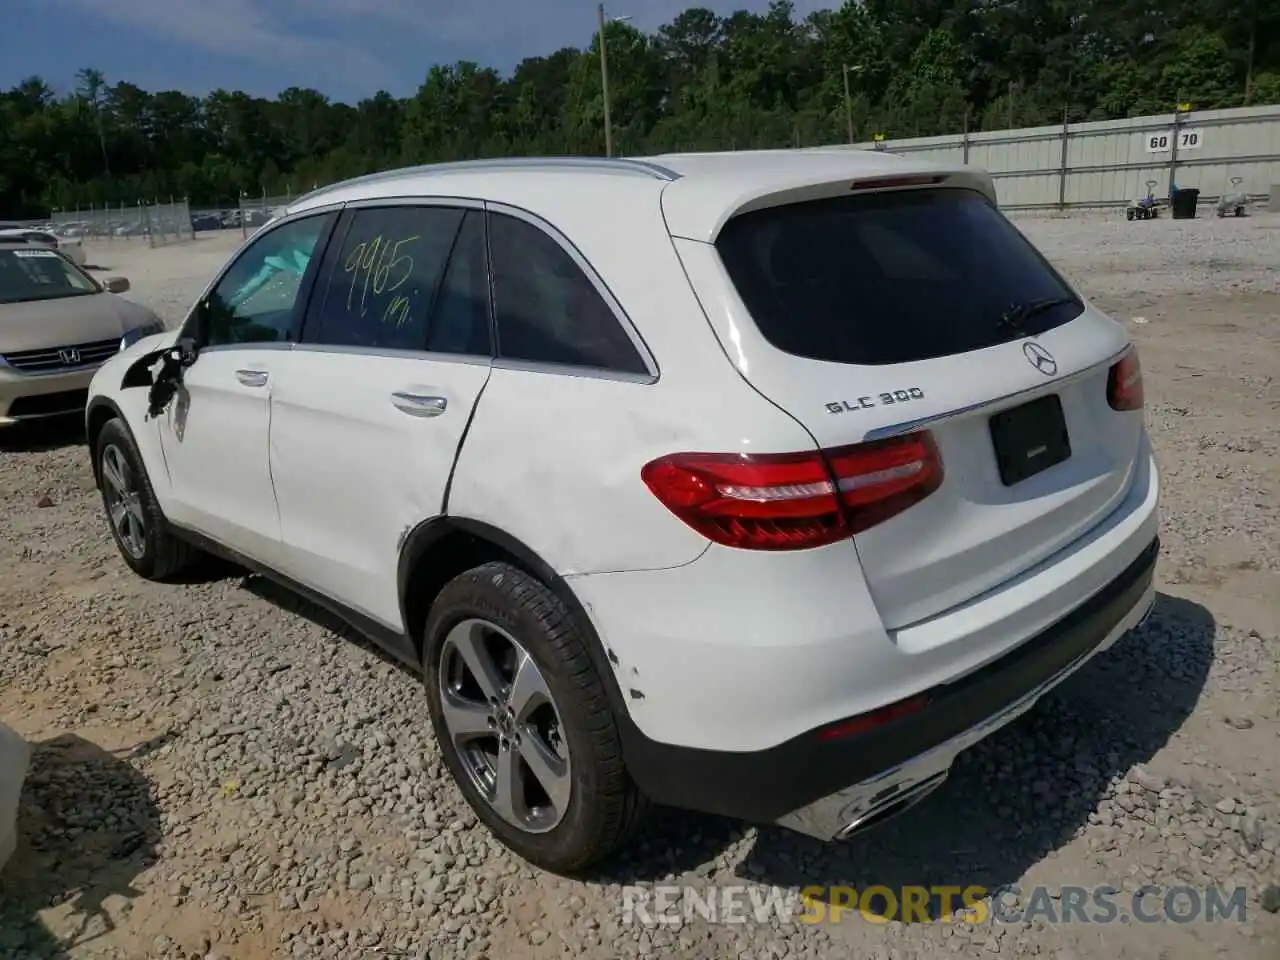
72 229
58 325
71 248
201 222
765 493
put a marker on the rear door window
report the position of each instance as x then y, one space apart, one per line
891 277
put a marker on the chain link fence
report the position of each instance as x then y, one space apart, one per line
257 211
246 215
158 223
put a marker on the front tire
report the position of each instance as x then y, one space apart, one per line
523 721
137 524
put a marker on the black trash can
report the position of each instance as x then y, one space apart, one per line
1184 203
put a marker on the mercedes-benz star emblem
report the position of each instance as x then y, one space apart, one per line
1040 358
70 356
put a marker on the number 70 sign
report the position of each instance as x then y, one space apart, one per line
1162 142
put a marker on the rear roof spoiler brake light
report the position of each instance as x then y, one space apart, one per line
889 183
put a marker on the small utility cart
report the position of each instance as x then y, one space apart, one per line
1233 201
1146 208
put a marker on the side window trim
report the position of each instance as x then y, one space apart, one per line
477 209
606 295
312 279
337 237
343 227
308 281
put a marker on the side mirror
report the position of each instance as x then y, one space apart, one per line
116 284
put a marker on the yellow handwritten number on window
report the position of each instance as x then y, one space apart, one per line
385 269
397 310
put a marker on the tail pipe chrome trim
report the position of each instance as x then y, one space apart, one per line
888 808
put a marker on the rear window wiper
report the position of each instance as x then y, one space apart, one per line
1020 313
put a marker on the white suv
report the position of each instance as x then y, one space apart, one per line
759 484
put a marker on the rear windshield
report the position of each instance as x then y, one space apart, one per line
891 277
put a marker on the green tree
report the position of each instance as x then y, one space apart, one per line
701 82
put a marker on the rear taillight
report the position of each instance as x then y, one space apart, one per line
1124 383
794 501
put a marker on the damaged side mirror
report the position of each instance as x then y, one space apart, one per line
161 371
173 359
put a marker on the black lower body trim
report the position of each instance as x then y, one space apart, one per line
765 785
393 642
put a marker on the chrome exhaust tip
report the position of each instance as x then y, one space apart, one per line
893 805
1146 617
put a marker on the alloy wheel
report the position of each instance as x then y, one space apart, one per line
124 502
505 726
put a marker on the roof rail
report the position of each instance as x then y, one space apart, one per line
643 168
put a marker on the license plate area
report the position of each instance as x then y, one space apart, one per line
1030 438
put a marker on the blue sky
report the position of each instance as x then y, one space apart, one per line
347 49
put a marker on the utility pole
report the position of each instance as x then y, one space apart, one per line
1253 42
604 83
848 104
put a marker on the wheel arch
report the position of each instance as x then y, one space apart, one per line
100 411
439 549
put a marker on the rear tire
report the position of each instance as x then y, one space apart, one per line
1128 214
583 806
139 528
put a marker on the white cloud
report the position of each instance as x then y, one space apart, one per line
533 25
260 31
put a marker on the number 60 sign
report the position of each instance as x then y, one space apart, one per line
1162 141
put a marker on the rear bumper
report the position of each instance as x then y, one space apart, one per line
828 788
972 709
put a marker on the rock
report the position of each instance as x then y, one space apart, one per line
1270 899
359 882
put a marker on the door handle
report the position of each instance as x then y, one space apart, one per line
419 405
252 378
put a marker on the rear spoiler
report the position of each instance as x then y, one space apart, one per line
960 178
700 213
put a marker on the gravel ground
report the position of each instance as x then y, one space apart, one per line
222 771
